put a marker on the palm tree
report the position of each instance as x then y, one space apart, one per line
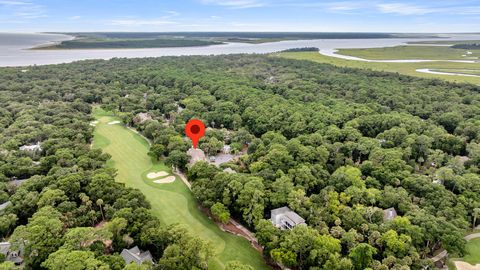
476 214
100 203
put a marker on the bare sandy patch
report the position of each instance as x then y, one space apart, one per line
466 266
114 122
154 175
93 123
168 179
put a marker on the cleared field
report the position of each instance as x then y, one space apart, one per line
402 68
171 202
413 52
472 255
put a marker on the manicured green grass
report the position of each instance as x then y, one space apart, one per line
472 255
412 52
172 203
473 252
402 68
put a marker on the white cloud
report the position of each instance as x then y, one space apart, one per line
74 18
405 9
235 3
22 9
344 6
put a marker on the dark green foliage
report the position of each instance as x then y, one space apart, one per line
131 43
336 145
468 46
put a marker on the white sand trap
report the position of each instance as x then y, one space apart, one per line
93 123
168 179
114 122
154 175
466 266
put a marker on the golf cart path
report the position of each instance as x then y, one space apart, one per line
427 70
333 53
444 253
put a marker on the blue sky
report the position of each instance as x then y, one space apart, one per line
239 15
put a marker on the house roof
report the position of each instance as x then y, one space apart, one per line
135 255
4 206
229 170
11 255
4 247
389 213
288 213
33 147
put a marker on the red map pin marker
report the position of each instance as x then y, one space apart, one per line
195 129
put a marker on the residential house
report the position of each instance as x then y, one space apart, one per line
229 170
196 155
227 149
31 148
389 214
284 218
142 118
135 255
11 255
4 206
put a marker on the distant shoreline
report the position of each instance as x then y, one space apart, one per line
51 43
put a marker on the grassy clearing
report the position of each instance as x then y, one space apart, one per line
412 52
402 68
472 255
172 203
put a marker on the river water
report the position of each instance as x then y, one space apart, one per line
14 48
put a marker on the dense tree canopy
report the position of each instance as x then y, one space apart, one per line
336 145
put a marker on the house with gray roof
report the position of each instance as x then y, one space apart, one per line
11 255
136 255
389 214
4 206
284 218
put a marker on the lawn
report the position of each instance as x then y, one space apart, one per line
472 255
172 203
412 52
402 68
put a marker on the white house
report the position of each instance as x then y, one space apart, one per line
31 148
227 149
284 218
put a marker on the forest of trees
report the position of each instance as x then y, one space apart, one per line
336 145
95 43
467 46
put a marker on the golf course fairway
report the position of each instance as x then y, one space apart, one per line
171 202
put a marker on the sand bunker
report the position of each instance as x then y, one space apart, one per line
168 179
466 266
114 122
93 123
154 175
